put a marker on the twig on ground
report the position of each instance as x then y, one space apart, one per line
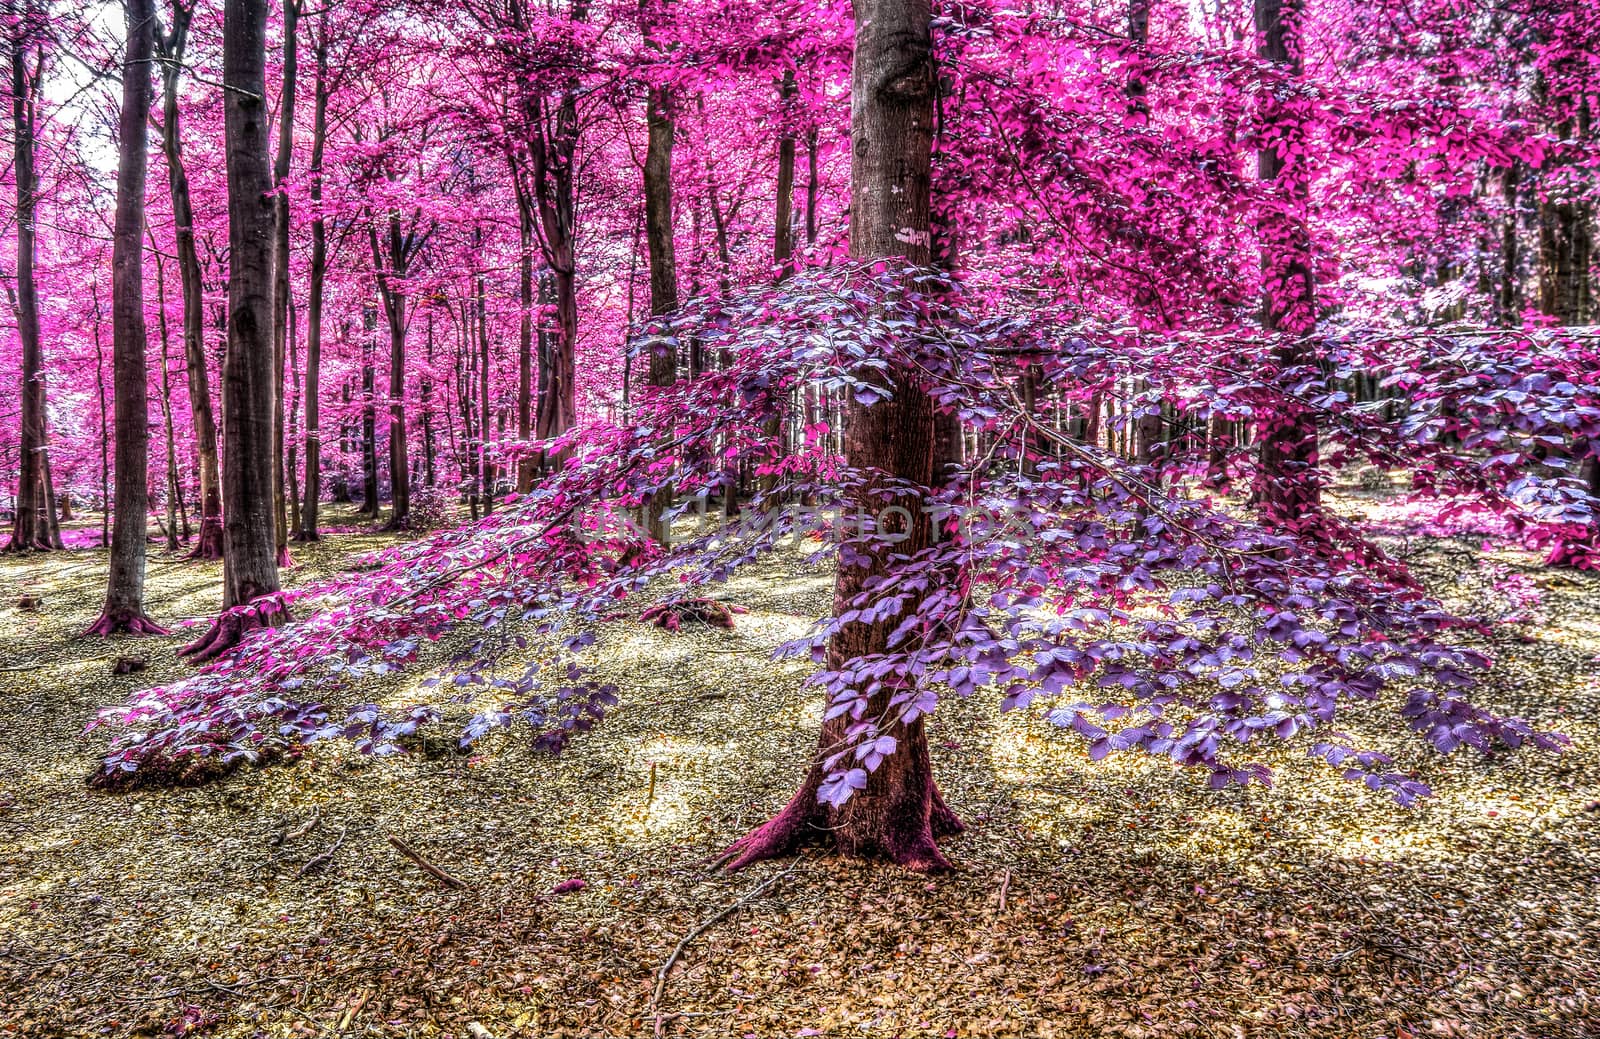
427 867
683 943
1005 886
316 862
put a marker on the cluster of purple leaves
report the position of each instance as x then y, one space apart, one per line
1150 617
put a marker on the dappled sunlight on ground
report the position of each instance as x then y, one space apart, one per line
1110 898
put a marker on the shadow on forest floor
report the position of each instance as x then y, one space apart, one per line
1118 898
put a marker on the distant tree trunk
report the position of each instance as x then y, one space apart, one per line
250 557
485 461
782 247
174 491
811 188
35 525
526 319
899 813
369 420
280 268
124 605
171 47
1566 246
1287 489
391 288
319 273
105 420
663 361
427 409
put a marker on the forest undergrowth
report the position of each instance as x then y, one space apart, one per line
510 893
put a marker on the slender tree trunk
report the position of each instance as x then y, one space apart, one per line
485 460
526 319
36 525
369 419
208 542
124 605
1287 488
391 287
319 273
782 251
899 813
174 492
663 361
280 268
250 557
105 420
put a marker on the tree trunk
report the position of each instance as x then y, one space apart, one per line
391 287
319 273
124 606
1286 490
280 269
899 813
36 525
208 542
174 488
663 361
250 557
526 319
369 419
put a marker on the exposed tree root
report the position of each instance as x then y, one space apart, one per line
208 540
898 832
671 616
123 622
229 629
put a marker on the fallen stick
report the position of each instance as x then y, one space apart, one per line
427 867
683 943
316 862
1005 885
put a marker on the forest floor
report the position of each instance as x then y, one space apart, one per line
1121 898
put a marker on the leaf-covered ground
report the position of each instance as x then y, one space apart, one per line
1120 898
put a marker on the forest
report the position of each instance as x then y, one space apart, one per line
888 518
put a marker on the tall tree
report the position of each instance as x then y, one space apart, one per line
317 288
280 266
663 360
124 607
250 559
170 47
899 813
1287 486
36 525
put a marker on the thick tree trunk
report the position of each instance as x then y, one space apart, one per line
124 606
250 557
1287 489
35 525
899 813
319 274
208 542
663 361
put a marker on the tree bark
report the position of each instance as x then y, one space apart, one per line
391 288
172 45
319 274
663 361
124 606
369 419
899 814
1287 490
250 557
280 268
35 525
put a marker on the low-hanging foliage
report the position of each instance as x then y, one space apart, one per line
1140 608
